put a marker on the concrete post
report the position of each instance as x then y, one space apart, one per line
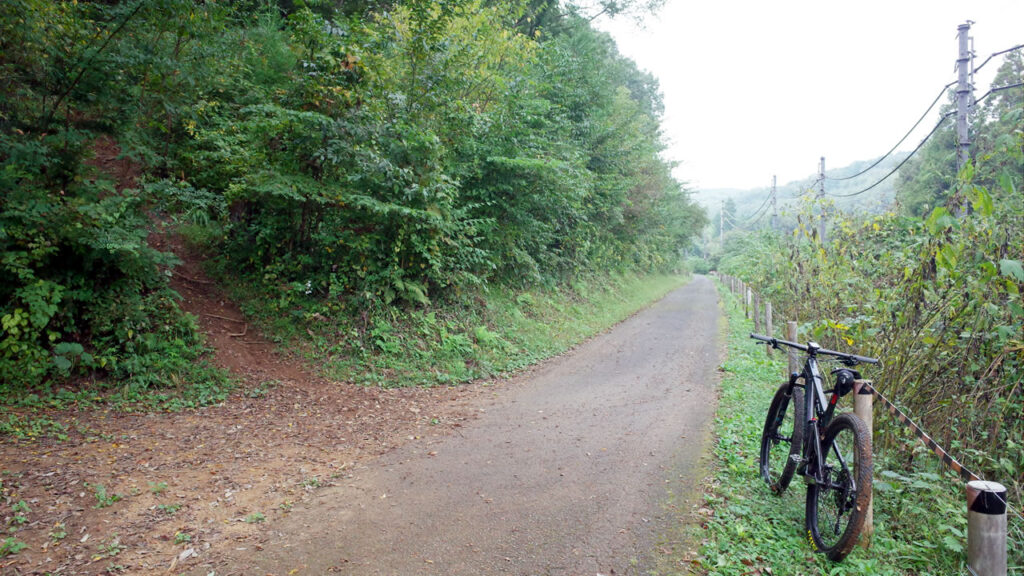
769 329
963 96
986 528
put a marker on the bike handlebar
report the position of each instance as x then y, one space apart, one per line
813 349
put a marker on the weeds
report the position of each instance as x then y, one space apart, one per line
103 499
28 428
169 509
20 510
109 548
479 335
919 517
11 546
59 532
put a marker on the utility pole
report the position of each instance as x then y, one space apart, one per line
775 208
963 96
721 224
821 199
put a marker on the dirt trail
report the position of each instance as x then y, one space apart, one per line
187 481
565 472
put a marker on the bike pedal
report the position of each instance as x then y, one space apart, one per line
796 458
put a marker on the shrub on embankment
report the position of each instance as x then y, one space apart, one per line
344 162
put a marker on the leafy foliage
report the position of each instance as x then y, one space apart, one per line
920 526
341 159
82 291
938 299
929 180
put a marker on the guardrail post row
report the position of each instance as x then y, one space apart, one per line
862 404
986 528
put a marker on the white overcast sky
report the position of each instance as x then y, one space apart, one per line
756 88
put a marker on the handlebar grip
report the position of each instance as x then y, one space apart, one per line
865 359
762 338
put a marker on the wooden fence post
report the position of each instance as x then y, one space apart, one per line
986 528
862 404
757 313
768 324
794 361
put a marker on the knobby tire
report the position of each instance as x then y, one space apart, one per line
836 509
782 437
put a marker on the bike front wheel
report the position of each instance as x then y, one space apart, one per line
782 437
836 506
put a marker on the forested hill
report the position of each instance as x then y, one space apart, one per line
337 157
862 187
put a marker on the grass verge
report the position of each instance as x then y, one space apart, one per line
479 335
920 512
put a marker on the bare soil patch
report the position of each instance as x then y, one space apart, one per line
196 482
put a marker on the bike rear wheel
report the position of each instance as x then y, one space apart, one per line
782 437
837 506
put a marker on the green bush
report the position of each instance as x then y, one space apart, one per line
938 299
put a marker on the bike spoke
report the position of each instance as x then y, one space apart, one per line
833 514
780 439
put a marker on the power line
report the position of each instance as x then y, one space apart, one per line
900 165
759 218
804 193
905 136
763 204
994 54
916 124
1000 89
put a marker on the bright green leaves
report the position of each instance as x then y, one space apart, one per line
936 298
81 288
981 200
332 155
1012 269
940 220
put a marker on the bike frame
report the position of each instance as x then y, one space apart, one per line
818 410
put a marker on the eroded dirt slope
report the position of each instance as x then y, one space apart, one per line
194 484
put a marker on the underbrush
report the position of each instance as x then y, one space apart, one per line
162 364
920 520
479 334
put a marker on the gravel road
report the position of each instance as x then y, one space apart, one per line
565 472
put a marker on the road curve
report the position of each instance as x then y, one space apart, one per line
564 473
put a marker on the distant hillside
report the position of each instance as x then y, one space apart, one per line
876 199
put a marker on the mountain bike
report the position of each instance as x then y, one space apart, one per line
804 435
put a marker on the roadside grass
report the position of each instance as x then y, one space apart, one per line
919 513
481 334
180 384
